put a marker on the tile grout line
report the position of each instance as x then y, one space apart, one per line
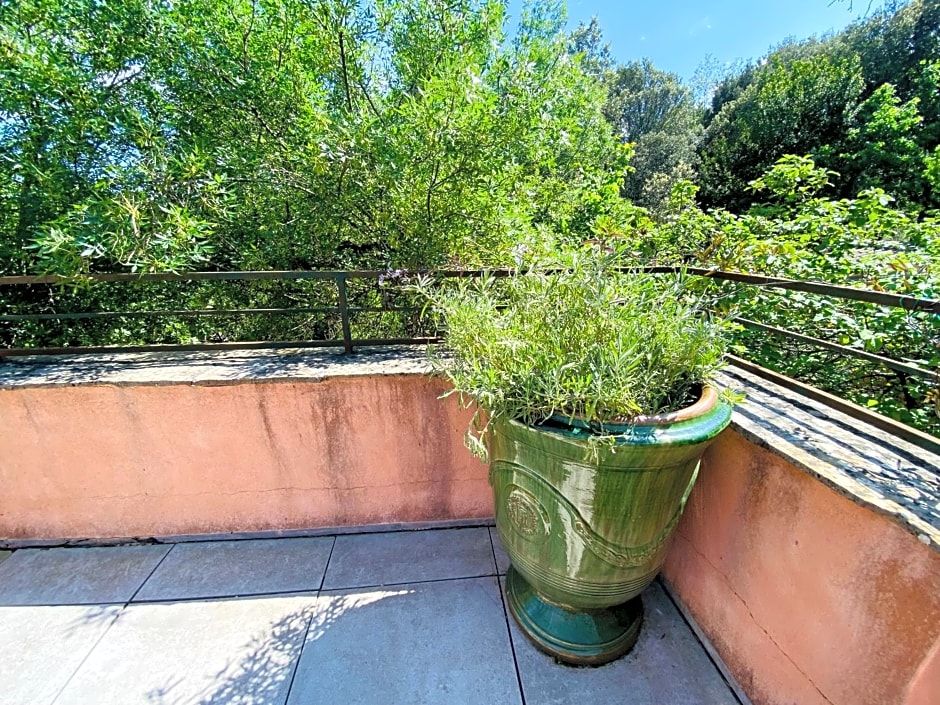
122 608
315 591
418 581
303 643
329 558
150 575
426 581
502 600
87 656
318 590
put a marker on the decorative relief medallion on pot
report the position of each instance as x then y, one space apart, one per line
527 515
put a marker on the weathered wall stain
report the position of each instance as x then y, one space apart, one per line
107 461
808 597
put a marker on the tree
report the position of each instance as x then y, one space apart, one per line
283 133
884 152
587 42
864 102
796 106
643 99
892 43
653 110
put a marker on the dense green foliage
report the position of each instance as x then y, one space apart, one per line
145 135
865 242
653 110
857 207
281 134
864 103
648 108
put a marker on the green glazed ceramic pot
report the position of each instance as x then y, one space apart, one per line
587 525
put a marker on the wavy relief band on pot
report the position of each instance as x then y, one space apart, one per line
620 556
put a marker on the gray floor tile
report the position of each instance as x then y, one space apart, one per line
4 555
78 576
196 653
409 556
226 568
42 646
419 644
502 558
668 665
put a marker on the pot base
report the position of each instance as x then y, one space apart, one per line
581 638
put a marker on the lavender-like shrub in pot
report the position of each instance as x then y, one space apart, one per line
595 405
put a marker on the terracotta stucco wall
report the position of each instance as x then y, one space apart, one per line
809 598
132 461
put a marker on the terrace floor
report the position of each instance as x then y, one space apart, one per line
402 617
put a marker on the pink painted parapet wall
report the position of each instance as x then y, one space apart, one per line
808 597
137 461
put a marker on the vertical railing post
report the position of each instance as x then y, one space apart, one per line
344 313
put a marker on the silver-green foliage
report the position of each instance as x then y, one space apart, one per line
575 337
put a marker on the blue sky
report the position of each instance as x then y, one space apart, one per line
677 35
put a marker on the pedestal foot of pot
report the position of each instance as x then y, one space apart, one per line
584 638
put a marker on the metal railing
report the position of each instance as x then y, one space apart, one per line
344 310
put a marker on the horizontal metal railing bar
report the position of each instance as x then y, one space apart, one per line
92 315
908 303
253 275
842 349
896 428
185 312
198 347
384 309
247 275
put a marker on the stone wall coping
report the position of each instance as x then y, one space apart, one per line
209 368
872 467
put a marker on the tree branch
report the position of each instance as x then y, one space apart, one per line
342 60
369 99
432 184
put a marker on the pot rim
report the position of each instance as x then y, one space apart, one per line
706 402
